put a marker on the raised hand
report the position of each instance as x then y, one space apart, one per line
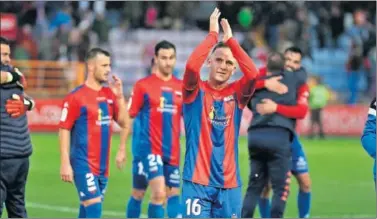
116 87
227 29
214 21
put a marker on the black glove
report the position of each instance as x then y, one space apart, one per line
15 76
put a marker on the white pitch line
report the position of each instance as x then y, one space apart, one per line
72 210
122 214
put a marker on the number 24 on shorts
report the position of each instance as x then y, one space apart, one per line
154 160
193 207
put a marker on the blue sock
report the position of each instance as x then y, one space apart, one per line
173 207
303 203
155 211
94 210
82 211
133 208
264 207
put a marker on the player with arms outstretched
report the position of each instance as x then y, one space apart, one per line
212 113
368 139
157 101
85 132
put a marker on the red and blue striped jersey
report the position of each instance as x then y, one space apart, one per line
159 104
212 119
88 114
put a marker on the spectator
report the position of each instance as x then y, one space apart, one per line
318 99
354 67
336 21
101 27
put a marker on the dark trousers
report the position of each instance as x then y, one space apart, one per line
270 159
316 119
13 176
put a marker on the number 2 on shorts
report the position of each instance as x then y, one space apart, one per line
90 182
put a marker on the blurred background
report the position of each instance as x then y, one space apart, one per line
331 34
50 39
338 40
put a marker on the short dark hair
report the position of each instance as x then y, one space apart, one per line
95 52
275 62
294 49
163 45
4 41
152 62
218 46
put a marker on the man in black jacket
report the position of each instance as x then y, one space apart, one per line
15 144
270 136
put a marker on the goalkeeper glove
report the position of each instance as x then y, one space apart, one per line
17 106
15 76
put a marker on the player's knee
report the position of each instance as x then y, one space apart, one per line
92 201
304 182
158 192
158 196
138 194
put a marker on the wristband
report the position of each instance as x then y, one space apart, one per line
29 103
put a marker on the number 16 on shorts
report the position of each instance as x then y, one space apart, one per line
192 207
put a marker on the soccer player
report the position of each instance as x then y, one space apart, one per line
15 142
139 181
270 137
85 132
368 139
300 170
157 101
212 112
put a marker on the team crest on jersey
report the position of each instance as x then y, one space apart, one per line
102 120
165 106
218 119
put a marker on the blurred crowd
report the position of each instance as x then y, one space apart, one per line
66 30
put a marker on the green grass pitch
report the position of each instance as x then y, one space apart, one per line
340 169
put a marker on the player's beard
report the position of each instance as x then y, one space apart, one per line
101 79
166 71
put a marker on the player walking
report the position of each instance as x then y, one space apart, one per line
212 113
85 132
139 182
157 101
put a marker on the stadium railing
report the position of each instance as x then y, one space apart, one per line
50 79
